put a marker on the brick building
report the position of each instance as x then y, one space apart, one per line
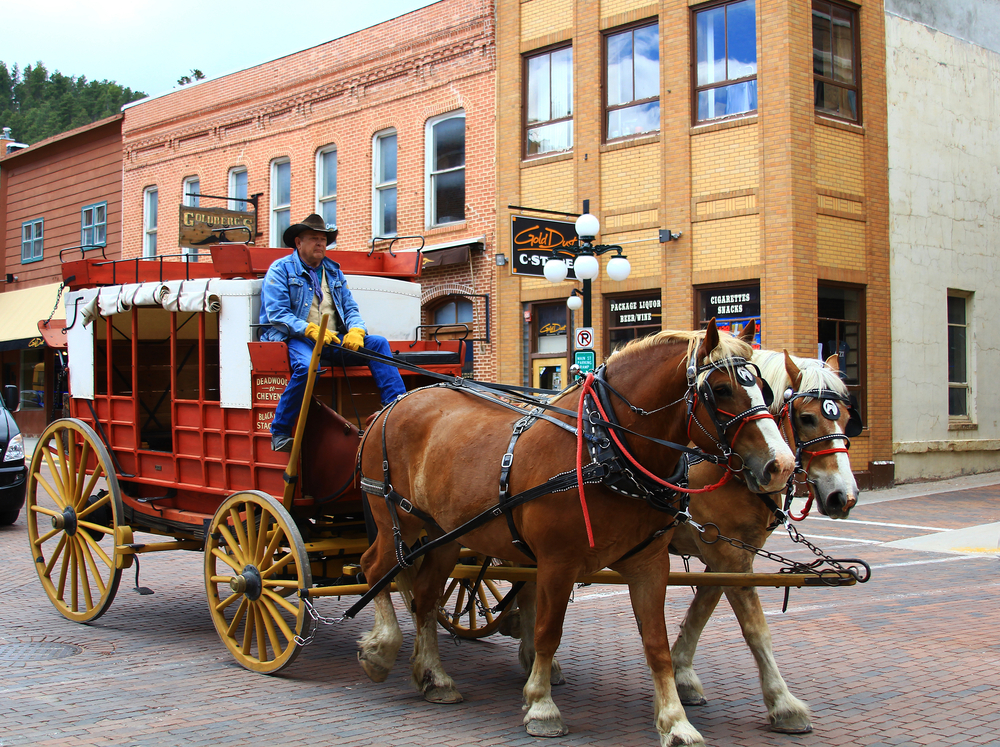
58 194
755 130
386 132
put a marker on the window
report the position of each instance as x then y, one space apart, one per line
32 232
834 60
150 202
281 198
550 324
549 114
632 317
238 188
446 169
384 182
732 306
959 391
632 71
725 60
192 188
94 225
841 333
456 311
326 184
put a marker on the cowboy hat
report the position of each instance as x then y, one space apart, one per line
313 222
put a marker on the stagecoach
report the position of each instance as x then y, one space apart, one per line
167 447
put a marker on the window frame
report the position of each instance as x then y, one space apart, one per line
697 89
378 187
855 61
238 204
608 108
639 296
94 224
860 389
430 194
323 199
525 88
37 237
278 208
150 196
969 351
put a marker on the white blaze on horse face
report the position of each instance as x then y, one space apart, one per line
836 489
778 449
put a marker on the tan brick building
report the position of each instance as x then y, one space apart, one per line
756 130
386 132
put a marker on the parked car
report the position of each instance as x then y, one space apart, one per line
13 472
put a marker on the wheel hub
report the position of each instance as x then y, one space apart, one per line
65 521
249 583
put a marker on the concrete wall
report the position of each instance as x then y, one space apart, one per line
944 172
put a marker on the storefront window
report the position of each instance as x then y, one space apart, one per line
732 306
632 317
32 379
841 333
549 333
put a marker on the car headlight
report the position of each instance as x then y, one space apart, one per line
15 449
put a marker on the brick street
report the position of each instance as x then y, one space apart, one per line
911 658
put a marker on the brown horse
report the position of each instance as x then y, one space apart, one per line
815 417
444 449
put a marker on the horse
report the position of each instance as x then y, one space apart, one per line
440 454
816 411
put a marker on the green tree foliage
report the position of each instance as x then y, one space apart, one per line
36 105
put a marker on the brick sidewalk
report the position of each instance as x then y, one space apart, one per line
911 658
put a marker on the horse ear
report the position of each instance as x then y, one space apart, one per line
794 374
833 362
711 341
749 332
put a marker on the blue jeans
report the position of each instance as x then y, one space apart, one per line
387 378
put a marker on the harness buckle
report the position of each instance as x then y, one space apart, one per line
496 512
508 459
405 504
385 466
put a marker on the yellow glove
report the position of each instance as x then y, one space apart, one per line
355 338
312 332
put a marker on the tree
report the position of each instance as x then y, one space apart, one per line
36 105
196 74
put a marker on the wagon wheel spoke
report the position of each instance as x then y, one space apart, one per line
82 573
228 600
94 569
278 599
98 504
466 608
60 547
238 617
259 633
221 555
267 616
276 615
233 547
97 548
241 535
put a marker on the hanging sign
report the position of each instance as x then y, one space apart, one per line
532 241
203 226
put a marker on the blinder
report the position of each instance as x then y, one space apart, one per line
854 423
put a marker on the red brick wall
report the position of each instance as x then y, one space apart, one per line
397 74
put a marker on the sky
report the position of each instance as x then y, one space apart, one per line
147 45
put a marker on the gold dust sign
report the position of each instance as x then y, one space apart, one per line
533 241
203 226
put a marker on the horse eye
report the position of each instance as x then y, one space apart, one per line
723 390
807 419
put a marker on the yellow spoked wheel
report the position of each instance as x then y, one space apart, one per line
466 609
74 508
253 553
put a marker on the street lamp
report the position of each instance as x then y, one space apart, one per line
586 266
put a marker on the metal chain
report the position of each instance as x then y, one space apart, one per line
56 304
317 617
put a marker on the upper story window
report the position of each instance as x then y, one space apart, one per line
238 188
192 190
32 233
549 105
384 184
326 184
632 72
281 198
94 224
150 218
725 60
446 169
835 61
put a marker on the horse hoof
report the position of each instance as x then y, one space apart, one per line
792 726
442 695
376 672
554 727
690 696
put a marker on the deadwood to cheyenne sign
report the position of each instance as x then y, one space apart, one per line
203 226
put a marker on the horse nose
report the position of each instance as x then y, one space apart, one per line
772 470
838 503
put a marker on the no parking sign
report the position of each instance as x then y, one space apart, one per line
584 338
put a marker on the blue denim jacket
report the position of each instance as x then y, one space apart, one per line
287 295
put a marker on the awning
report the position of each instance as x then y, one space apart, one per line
451 253
20 312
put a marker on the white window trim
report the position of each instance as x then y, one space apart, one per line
429 173
320 197
970 362
378 187
186 187
148 194
276 208
231 192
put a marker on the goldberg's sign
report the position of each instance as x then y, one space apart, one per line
203 226
532 242
731 302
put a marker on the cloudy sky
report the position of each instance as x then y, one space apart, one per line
148 44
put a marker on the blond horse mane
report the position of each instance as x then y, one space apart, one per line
728 347
816 375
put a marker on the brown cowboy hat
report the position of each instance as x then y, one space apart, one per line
313 222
